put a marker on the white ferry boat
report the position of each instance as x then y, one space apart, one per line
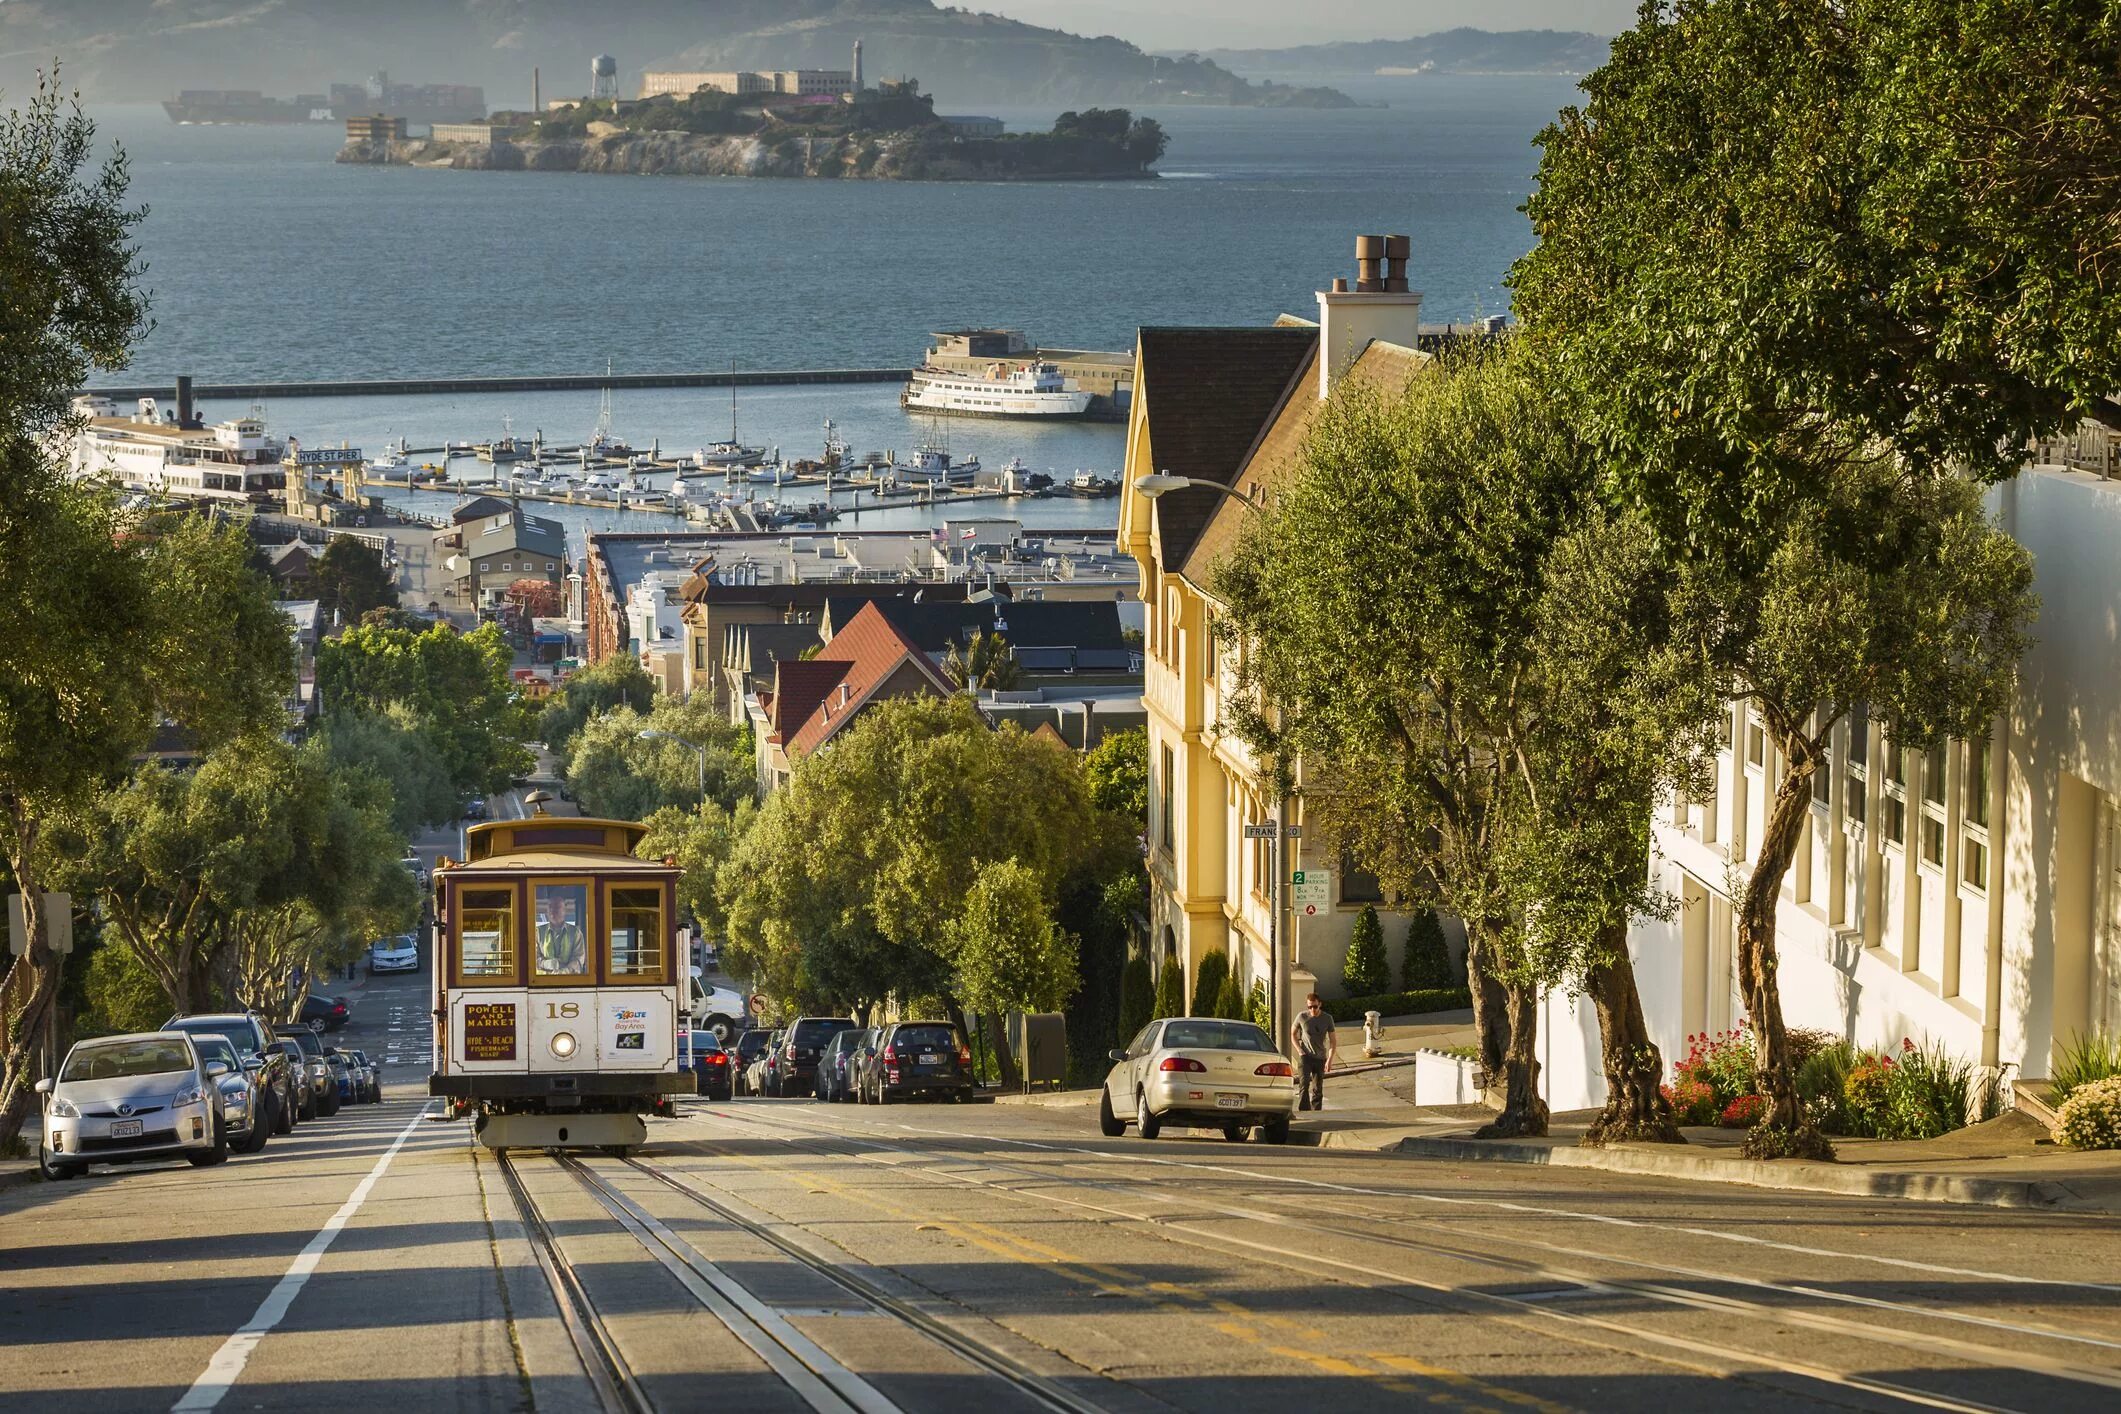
1035 390
234 460
932 466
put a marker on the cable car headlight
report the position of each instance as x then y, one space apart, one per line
563 1044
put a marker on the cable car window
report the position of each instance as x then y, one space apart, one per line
637 933
486 937
562 916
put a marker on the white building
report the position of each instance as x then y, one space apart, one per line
655 625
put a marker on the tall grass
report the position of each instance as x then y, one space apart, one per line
2090 1056
1822 1083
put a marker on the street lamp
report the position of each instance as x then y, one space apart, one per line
651 734
1151 485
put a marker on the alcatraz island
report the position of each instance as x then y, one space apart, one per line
784 123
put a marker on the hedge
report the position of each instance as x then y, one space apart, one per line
1401 1003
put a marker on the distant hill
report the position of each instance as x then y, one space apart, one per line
1456 51
148 49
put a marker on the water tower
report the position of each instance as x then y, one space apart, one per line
603 77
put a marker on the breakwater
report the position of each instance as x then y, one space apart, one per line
513 383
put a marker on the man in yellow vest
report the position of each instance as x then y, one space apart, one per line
563 948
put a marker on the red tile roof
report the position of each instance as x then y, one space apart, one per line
864 657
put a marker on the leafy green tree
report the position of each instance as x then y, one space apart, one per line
1426 962
390 744
1170 988
1229 999
619 680
613 772
455 687
1368 971
1006 951
985 664
1117 769
1137 997
702 840
1146 141
351 579
1259 1008
1208 981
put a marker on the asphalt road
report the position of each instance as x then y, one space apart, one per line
780 1255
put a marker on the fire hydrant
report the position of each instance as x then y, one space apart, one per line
1373 1033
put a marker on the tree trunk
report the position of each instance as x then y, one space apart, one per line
22 1039
1004 1058
1523 1112
1784 1131
1635 1108
1491 1018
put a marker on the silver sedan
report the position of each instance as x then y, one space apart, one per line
122 1099
1199 1073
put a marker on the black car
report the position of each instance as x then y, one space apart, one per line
921 1060
710 1066
748 1047
270 1069
327 1012
861 1055
323 1085
794 1070
832 1073
475 808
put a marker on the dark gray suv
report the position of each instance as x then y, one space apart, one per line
271 1074
323 1085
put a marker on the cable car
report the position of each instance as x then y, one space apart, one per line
556 983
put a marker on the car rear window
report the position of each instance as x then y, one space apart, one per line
126 1059
750 1043
306 1042
817 1033
1215 1036
942 1038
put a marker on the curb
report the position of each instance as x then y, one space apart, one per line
1650 1160
18 1178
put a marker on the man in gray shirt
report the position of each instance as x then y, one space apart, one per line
1316 1050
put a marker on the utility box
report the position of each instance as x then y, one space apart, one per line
1039 1041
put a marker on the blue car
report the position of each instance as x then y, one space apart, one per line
342 1074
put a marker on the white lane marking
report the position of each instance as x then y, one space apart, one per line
226 1367
1540 1210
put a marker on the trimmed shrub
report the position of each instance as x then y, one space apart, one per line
2091 1117
1137 997
1427 963
1170 989
1368 971
2096 1056
1208 981
1261 1007
1229 999
1400 1003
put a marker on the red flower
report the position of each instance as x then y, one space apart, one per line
1907 1043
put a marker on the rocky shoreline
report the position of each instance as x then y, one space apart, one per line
859 157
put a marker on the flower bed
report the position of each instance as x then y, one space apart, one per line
1916 1092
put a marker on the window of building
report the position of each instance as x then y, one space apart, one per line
550 567
1823 780
1933 767
1932 839
486 933
1893 808
1359 885
1165 807
637 933
1973 861
1973 820
1755 741
1262 860
485 567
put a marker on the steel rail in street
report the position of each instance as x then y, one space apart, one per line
616 1390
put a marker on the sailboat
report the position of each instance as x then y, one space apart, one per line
601 443
719 456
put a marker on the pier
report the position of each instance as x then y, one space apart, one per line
513 383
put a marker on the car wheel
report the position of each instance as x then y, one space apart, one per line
260 1131
283 1115
1145 1119
56 1170
721 1028
1276 1130
1235 1133
207 1158
328 1104
309 1106
1108 1123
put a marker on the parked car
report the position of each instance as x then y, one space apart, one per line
372 1075
280 1077
749 1047
246 1105
304 1073
711 1066
357 1074
921 1060
759 1075
1199 1073
342 1076
803 1043
323 1086
475 808
832 1065
861 1056
413 865
123 1099
398 954
328 1012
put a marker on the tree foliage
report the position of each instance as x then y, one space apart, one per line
535 598
986 664
453 688
349 579
619 680
1170 988
1426 963
1368 970
390 745
1137 997
1007 954
616 774
1229 999
1208 979
1117 770
702 840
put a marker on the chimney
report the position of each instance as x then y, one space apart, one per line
537 94
1379 307
185 416
857 75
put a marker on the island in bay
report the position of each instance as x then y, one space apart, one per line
738 124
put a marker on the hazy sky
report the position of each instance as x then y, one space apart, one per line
1218 24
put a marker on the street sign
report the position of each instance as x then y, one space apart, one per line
1313 887
1267 831
58 924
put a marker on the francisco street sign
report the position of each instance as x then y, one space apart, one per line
1267 831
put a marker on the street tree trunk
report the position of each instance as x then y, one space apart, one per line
1491 1018
1784 1131
1523 1112
36 975
1636 1110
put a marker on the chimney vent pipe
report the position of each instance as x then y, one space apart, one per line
1398 249
1369 263
1340 285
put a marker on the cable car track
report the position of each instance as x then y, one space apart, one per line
815 1376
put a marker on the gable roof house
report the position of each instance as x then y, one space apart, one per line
812 700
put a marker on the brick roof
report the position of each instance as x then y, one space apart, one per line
1208 393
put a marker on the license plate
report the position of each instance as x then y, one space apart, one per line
930 1058
125 1129
1229 1102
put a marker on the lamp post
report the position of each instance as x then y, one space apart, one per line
651 734
1150 486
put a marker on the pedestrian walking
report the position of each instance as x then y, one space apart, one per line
1316 1050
